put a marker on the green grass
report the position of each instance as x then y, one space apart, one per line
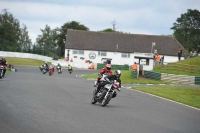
190 61
127 79
188 96
24 61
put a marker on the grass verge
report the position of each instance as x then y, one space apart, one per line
127 79
190 61
24 61
188 96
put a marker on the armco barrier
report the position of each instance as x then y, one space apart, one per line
197 80
173 78
114 67
134 74
152 75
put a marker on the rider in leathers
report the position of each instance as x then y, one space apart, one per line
110 79
106 70
58 66
3 63
46 66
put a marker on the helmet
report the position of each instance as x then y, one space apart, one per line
117 73
58 63
3 58
108 67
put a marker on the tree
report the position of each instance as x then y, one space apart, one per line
63 32
24 40
187 29
108 30
12 37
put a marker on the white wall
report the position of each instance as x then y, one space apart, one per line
77 62
32 56
116 58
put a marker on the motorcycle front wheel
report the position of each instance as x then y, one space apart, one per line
106 100
1 73
93 101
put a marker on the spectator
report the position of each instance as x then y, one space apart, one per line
157 59
194 54
191 54
162 60
134 66
179 54
185 56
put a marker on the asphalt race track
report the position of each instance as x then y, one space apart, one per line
31 102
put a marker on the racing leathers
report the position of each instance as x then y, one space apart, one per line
103 71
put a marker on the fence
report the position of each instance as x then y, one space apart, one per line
114 67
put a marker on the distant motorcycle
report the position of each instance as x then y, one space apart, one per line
51 70
45 69
12 67
105 94
70 70
41 68
59 69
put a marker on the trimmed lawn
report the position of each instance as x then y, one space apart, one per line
188 96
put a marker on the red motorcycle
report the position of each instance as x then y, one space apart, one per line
51 70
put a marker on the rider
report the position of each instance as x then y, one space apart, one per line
69 67
45 65
59 66
105 70
3 63
110 79
51 66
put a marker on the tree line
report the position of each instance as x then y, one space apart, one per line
15 37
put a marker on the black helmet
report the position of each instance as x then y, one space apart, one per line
117 73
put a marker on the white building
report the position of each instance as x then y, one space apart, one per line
120 48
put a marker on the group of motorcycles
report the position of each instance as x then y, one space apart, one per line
44 69
105 94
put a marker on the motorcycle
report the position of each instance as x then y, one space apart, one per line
12 68
105 94
70 70
45 69
51 70
1 71
59 69
41 68
102 79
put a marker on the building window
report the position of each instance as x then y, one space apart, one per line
125 55
101 53
78 52
81 52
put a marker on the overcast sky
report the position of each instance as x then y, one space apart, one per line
154 17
